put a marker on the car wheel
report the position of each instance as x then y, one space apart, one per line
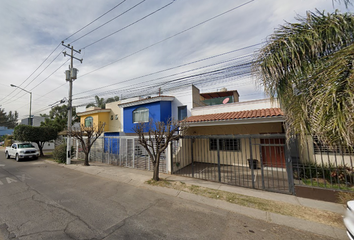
35 158
17 158
7 155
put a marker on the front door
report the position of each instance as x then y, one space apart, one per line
273 152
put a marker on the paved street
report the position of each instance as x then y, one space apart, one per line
45 201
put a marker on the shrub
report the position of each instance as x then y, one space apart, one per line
8 140
59 153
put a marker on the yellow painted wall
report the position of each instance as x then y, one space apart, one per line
201 147
102 117
202 153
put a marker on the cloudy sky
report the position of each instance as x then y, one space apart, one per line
133 47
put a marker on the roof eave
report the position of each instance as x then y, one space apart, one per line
93 112
146 100
273 119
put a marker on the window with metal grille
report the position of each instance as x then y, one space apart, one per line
228 144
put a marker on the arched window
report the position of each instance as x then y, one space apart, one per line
141 115
88 122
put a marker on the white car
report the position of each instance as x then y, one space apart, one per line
21 151
349 219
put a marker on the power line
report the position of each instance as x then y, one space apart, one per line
223 13
58 54
171 68
146 16
170 36
164 77
94 20
107 22
190 79
32 72
165 39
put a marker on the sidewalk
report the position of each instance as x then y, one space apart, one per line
139 177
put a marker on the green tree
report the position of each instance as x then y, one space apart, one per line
8 120
12 119
58 118
38 135
3 117
308 66
101 102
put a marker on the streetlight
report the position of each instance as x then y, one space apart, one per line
30 116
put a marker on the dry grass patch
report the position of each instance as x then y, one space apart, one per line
311 214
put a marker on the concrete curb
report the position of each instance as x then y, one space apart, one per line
138 179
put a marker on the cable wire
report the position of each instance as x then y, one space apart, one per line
146 16
94 20
107 22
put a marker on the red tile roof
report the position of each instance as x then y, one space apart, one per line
259 113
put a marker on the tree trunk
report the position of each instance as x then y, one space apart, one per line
40 149
86 162
156 169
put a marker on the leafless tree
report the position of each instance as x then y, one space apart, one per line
155 136
87 137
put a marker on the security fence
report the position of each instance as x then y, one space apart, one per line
324 166
124 152
264 161
253 161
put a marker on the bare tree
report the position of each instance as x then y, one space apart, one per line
87 137
155 136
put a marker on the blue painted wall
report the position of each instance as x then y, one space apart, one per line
158 111
111 144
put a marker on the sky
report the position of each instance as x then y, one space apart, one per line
134 47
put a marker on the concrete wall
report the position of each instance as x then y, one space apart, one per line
36 121
183 97
307 154
115 121
235 107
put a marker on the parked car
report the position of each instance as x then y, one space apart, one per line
21 151
349 219
2 143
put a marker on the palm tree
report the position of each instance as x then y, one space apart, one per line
308 66
101 102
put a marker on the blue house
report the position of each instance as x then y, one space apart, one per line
155 108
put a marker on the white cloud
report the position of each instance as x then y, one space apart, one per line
32 29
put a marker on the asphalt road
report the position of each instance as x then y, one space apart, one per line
44 201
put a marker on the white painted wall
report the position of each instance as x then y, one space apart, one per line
235 107
183 97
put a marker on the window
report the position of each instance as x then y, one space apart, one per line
111 117
116 116
141 115
225 144
182 112
88 122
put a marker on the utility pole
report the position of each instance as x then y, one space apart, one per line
70 74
